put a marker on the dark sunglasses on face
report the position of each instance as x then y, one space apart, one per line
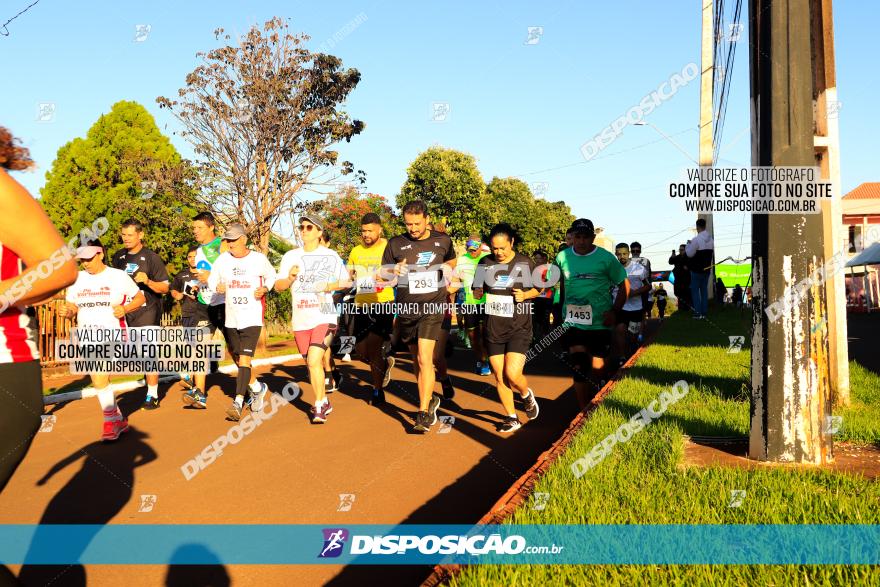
307 227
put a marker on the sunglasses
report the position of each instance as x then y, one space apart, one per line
308 227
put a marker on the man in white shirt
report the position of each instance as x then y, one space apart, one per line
629 318
700 250
312 273
244 276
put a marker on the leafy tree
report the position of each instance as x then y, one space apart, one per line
124 167
450 183
540 224
343 210
263 117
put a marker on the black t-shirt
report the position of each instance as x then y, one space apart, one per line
660 294
505 318
184 282
420 285
148 261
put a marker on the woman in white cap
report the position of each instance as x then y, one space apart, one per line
100 298
34 265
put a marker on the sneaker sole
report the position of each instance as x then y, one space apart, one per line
389 366
508 431
235 417
118 434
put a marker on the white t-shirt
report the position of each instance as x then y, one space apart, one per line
95 296
637 276
316 269
242 276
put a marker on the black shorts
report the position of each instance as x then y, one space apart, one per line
144 317
627 316
519 343
195 321
412 328
379 321
20 407
471 316
597 341
243 342
217 318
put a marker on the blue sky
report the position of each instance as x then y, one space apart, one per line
521 109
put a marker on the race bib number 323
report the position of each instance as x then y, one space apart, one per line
579 314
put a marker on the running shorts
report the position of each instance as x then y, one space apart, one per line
243 342
596 341
413 327
380 322
319 336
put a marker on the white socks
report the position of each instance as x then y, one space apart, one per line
108 403
153 391
255 386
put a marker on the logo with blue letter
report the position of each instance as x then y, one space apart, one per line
334 541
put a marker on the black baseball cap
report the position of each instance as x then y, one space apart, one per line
582 225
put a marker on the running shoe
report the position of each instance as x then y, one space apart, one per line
378 397
423 422
448 390
346 358
234 412
509 425
114 428
151 403
530 405
433 406
389 364
319 415
485 369
479 368
256 403
195 398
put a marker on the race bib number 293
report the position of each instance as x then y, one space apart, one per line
579 314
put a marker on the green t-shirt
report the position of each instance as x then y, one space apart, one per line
467 267
587 283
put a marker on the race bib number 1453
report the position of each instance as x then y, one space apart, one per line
579 314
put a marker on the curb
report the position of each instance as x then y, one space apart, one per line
69 396
519 492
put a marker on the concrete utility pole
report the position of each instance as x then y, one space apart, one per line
791 390
827 146
707 116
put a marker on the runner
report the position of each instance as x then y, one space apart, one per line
332 375
629 318
589 272
635 249
700 252
101 298
245 277
506 278
148 271
444 347
660 295
27 239
557 290
210 248
374 319
542 306
470 312
421 258
185 289
313 272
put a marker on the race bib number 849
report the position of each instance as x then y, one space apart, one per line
579 314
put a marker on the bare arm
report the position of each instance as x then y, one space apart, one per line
25 229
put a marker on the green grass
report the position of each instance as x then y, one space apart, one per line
642 482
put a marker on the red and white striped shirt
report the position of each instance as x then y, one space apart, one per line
18 342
